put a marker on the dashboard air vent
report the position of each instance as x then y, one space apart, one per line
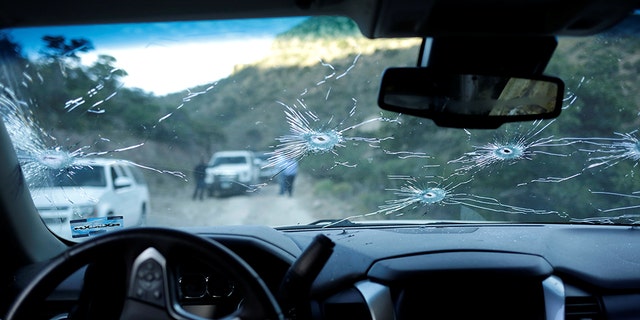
583 308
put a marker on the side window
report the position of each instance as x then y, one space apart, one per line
114 175
121 171
137 175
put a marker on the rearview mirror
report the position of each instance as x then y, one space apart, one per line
471 101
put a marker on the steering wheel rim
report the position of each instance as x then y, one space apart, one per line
148 246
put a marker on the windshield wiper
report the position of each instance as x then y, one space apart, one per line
346 223
323 223
334 223
626 219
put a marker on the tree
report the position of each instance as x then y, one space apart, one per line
57 47
12 62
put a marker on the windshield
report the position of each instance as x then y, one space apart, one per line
77 177
166 96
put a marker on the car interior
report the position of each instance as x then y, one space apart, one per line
339 268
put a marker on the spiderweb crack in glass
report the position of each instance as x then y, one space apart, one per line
522 145
610 151
32 144
186 99
305 139
570 96
633 219
415 193
92 93
433 191
408 154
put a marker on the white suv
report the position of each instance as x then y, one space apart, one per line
231 172
92 189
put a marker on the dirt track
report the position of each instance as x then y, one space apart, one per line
264 207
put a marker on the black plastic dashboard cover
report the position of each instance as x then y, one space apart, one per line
466 284
487 263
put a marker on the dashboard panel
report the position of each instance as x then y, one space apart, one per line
493 271
207 292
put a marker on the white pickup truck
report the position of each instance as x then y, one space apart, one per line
231 172
92 188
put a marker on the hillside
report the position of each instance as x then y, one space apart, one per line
328 39
237 98
334 83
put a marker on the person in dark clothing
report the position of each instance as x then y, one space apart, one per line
288 176
199 173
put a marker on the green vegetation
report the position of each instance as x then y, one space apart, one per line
323 28
183 130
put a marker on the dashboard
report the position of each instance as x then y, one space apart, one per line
449 271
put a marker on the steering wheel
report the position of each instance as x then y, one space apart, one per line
147 257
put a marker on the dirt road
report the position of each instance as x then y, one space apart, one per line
264 207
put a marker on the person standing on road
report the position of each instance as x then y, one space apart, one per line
289 170
199 173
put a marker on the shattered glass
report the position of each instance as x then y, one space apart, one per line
305 90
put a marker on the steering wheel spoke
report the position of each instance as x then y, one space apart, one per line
148 280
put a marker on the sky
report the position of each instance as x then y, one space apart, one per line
164 58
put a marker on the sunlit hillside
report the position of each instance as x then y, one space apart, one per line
318 36
300 60
334 85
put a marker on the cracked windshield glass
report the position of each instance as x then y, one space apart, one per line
275 122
